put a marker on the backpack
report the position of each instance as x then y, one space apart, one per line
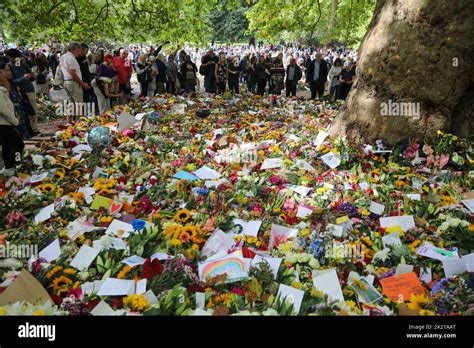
59 77
40 79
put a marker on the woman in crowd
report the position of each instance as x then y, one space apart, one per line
333 78
171 74
105 89
189 70
40 73
161 77
234 75
252 74
107 69
11 140
143 75
277 75
262 75
347 78
152 79
222 73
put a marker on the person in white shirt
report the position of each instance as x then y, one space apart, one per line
333 78
71 70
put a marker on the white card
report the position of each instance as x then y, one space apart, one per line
322 135
85 256
150 296
364 185
78 149
405 222
469 203
433 252
134 260
425 275
271 163
347 186
302 190
376 208
414 196
469 259
160 256
119 228
200 300
125 120
454 266
335 230
302 164
44 214
403 268
250 228
141 286
368 149
102 308
328 283
303 212
280 234
37 177
274 263
206 173
292 295
51 252
117 287
331 160
88 192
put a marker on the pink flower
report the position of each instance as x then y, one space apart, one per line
15 219
176 163
237 291
258 208
289 204
274 179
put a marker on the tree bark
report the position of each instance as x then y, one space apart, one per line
332 18
414 51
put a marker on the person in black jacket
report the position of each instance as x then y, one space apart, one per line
316 76
53 60
86 74
262 73
293 75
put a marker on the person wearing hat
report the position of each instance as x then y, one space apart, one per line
22 78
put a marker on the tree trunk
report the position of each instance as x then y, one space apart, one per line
332 18
414 51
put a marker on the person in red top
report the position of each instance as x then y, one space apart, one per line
124 69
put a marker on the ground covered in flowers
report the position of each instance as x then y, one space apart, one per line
236 206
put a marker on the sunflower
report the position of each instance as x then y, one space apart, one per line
175 242
47 188
60 282
78 197
197 237
172 231
59 174
124 272
69 271
417 300
180 185
182 215
53 271
59 192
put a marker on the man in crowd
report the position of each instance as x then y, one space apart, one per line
53 60
124 69
73 83
86 75
293 75
316 76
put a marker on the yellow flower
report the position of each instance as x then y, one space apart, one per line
47 188
59 174
426 312
38 312
59 192
136 302
417 300
124 272
182 215
175 242
53 271
3 311
78 197
69 271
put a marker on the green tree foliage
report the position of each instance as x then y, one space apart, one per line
309 21
229 21
119 20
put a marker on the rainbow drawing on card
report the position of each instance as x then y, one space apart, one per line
232 266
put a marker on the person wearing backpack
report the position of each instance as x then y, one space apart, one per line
40 72
189 70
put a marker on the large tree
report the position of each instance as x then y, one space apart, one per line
414 51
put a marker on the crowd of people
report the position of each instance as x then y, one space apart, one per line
104 76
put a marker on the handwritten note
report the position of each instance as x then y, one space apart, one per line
401 286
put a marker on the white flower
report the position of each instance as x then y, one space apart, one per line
270 311
382 255
50 159
314 263
38 160
11 263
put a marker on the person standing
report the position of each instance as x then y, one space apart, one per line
53 60
12 142
124 69
277 75
73 83
333 78
234 75
222 73
40 72
171 75
293 75
189 70
252 74
316 76
347 78
86 75
262 75
161 77
22 78
207 68
143 75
